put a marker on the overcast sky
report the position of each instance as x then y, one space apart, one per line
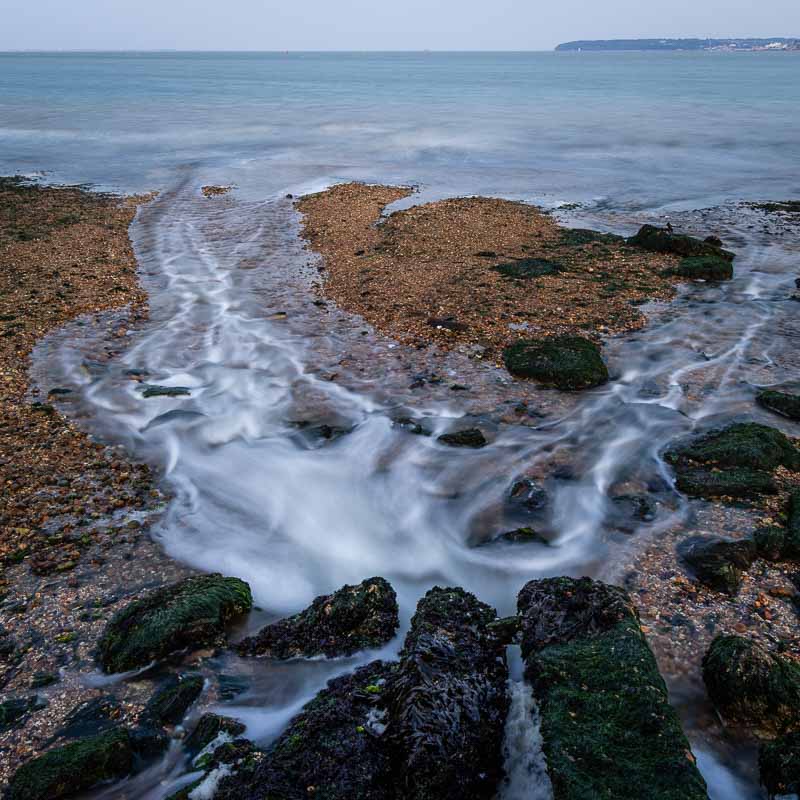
376 24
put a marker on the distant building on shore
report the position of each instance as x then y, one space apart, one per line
729 45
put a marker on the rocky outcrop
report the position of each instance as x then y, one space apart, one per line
787 405
447 703
751 686
561 362
430 726
353 618
191 613
608 729
663 240
736 461
706 268
719 563
779 764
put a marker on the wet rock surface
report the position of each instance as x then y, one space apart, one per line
706 268
664 240
562 362
471 437
169 704
191 613
779 765
584 650
751 686
719 563
783 403
354 618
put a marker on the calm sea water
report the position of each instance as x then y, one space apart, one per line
628 130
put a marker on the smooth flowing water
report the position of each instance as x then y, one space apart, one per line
258 491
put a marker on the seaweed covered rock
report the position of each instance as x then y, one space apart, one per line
526 268
561 362
191 613
448 701
353 618
719 563
169 704
74 767
471 437
663 240
208 728
736 461
751 686
333 745
706 268
787 405
779 764
607 727
770 542
791 548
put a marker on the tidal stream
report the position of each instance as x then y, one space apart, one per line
262 490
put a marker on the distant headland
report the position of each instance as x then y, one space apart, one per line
730 45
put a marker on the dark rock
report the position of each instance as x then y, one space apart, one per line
448 323
334 745
16 709
208 727
526 268
719 563
351 619
522 536
706 268
779 764
411 425
91 717
165 391
231 686
735 461
227 753
769 542
75 767
662 240
448 702
505 629
608 729
42 679
527 495
751 686
787 405
576 237
639 506
715 240
562 362
191 613
169 704
791 549
472 437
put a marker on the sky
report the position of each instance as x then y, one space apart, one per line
376 25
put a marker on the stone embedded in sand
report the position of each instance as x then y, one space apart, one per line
706 268
471 437
75 767
751 686
169 704
14 710
608 729
719 563
561 362
735 461
577 237
351 619
191 613
779 765
662 240
448 702
526 268
787 405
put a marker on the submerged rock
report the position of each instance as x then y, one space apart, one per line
663 240
706 268
522 536
751 686
607 727
527 495
471 437
191 613
151 390
76 767
561 362
719 563
735 461
169 704
332 745
787 405
779 764
447 702
353 618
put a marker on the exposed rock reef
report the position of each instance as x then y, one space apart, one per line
351 619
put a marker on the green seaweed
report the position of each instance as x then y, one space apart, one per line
562 362
708 268
779 764
783 403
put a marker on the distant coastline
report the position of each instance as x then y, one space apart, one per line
778 43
